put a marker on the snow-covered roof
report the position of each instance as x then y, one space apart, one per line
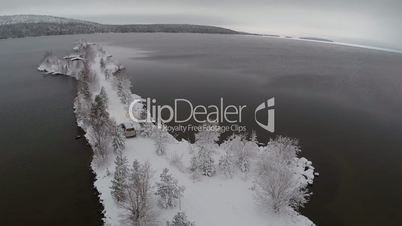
132 125
128 125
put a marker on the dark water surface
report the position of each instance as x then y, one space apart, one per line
45 176
344 104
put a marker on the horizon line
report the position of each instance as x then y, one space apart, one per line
299 38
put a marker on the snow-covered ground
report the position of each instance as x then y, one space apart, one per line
208 201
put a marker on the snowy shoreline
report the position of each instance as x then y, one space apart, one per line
208 201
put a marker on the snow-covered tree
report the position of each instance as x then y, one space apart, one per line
208 137
202 163
147 129
99 112
253 136
84 88
161 139
168 190
82 103
87 75
138 202
227 163
180 219
101 125
205 145
103 96
123 85
102 64
277 183
118 138
176 160
242 149
119 182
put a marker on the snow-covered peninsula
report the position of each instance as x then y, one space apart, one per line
154 179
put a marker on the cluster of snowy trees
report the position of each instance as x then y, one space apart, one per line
105 135
101 125
205 145
123 86
83 101
279 182
239 152
278 186
91 111
132 190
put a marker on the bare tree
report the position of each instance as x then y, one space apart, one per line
138 201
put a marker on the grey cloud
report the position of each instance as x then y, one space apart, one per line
369 21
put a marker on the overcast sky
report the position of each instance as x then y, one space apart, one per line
373 22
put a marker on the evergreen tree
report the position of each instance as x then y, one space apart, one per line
103 96
101 125
180 219
84 90
168 190
118 140
119 182
99 114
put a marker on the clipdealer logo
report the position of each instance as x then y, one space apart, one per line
162 114
268 106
